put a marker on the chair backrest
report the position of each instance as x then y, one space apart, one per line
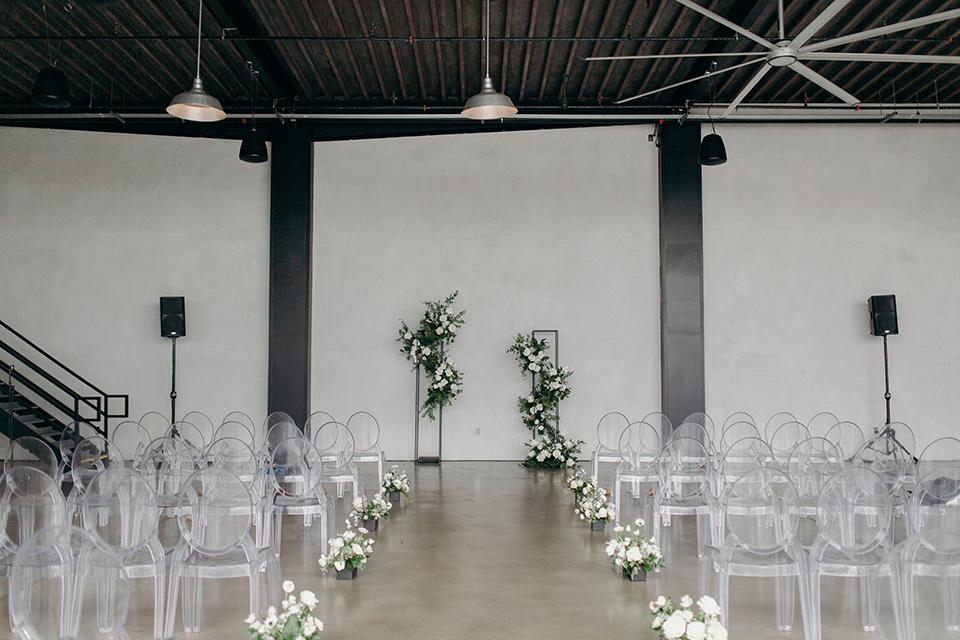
774 423
72 434
92 456
275 418
365 430
683 468
820 423
65 583
295 468
215 511
30 500
241 417
854 510
810 463
131 438
661 423
737 416
155 423
785 437
28 451
886 457
202 423
940 451
278 433
703 420
238 430
609 428
760 510
314 422
848 436
737 431
191 435
335 443
166 464
693 430
935 500
743 455
639 446
237 457
122 509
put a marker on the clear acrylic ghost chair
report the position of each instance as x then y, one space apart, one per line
737 416
124 512
72 434
639 448
131 438
942 451
742 456
685 479
295 472
336 446
609 428
935 501
277 434
237 457
314 421
761 542
58 580
853 538
661 423
737 431
775 421
202 423
91 456
190 435
215 517
244 419
166 464
924 575
155 423
704 421
784 438
848 436
30 500
893 463
810 464
236 430
27 451
366 434
821 423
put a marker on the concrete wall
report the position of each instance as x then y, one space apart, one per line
94 228
540 230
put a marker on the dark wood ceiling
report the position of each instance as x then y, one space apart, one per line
383 58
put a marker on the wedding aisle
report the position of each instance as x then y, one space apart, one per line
493 550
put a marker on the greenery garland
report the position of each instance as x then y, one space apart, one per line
539 409
425 347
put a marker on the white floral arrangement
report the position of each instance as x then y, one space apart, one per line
581 484
373 509
539 409
294 621
680 623
395 480
553 450
595 508
424 346
350 550
630 551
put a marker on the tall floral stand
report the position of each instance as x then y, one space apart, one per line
545 334
416 427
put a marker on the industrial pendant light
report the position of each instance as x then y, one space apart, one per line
488 104
196 104
712 151
254 147
50 88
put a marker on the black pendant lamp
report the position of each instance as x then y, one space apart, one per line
489 104
51 88
196 104
253 148
712 151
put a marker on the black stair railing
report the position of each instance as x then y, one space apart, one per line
54 388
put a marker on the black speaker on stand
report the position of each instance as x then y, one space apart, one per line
173 325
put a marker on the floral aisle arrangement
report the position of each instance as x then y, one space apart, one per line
630 552
424 346
595 509
295 621
549 446
396 481
581 484
371 510
349 551
680 623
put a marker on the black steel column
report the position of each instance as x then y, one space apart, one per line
681 272
291 230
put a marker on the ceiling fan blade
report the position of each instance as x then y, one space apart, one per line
882 31
682 82
733 27
678 55
745 91
879 57
818 79
817 23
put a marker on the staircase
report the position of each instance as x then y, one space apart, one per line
41 397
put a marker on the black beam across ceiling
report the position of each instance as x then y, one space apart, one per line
234 15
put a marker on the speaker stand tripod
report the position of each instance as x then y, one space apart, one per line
173 387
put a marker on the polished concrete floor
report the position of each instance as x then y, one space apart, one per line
493 550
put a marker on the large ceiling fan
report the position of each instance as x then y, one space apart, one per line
794 52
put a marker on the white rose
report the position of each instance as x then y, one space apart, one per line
715 630
407 335
443 318
686 602
674 626
439 330
696 631
288 586
657 621
633 554
251 618
309 598
709 606
339 565
426 351
658 603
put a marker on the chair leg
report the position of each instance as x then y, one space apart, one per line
784 594
813 605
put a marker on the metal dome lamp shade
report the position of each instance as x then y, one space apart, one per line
254 147
488 104
196 104
51 89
